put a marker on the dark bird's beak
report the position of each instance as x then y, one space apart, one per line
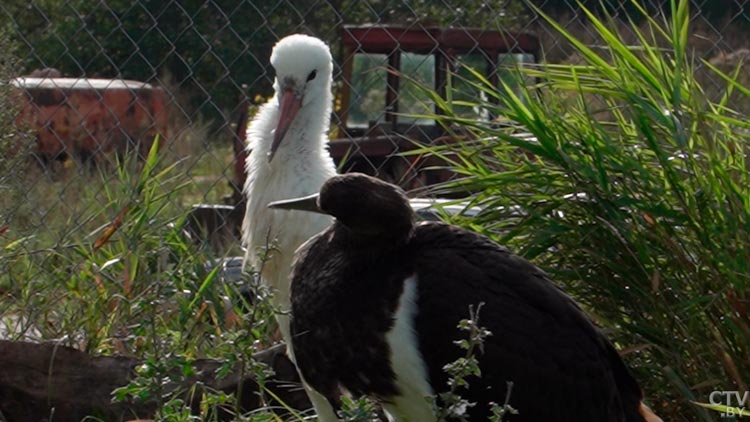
306 203
290 105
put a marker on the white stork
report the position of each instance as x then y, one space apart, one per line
289 158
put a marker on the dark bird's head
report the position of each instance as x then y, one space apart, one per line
367 207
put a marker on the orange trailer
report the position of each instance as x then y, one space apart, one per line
88 119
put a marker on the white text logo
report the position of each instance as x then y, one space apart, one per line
736 402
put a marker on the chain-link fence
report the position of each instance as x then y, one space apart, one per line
194 71
93 222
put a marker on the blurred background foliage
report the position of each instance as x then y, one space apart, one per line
209 50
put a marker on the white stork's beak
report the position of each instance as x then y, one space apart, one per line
290 105
306 203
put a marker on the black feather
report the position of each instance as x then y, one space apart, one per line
346 286
563 368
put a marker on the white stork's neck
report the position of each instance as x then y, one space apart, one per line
305 143
300 167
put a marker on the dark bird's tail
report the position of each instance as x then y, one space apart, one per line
630 392
648 414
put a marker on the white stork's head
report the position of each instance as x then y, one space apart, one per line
304 69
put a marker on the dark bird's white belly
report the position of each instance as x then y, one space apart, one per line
414 403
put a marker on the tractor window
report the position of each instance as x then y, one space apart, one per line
418 72
461 85
369 82
508 65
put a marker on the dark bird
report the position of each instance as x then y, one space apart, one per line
376 300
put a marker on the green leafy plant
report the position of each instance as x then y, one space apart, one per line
624 180
453 406
119 275
361 409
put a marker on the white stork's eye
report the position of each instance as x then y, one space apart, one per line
312 75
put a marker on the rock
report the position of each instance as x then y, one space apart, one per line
47 382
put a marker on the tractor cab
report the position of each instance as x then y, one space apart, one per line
384 109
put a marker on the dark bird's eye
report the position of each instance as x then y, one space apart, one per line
312 75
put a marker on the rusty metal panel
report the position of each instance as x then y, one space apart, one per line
84 118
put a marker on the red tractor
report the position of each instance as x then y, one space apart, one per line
385 70
382 98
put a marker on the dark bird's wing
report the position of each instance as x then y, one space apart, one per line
341 310
563 368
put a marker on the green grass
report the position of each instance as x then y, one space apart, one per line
635 196
97 260
116 275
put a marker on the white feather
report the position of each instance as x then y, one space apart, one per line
300 167
413 404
